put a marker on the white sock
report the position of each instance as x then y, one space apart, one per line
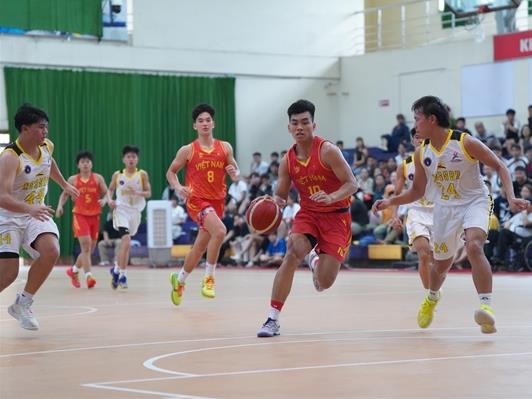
24 297
182 275
485 299
274 313
122 272
434 295
88 274
314 263
209 269
75 269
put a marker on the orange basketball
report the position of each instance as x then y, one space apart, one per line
263 215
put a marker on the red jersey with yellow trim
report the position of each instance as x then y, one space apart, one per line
89 194
311 176
205 173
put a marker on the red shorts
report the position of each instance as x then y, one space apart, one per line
332 230
198 208
86 225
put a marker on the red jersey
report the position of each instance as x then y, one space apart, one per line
311 176
89 194
205 173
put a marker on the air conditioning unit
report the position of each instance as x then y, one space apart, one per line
159 232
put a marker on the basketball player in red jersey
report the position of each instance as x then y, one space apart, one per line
86 215
207 160
325 184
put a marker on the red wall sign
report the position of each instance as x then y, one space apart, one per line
512 45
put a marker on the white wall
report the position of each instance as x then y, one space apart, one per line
262 122
402 76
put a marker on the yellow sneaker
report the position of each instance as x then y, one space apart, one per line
485 318
426 312
177 289
207 287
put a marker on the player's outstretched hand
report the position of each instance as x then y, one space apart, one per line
519 203
71 190
42 212
281 202
379 205
232 172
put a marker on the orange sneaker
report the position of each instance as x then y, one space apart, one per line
74 277
91 282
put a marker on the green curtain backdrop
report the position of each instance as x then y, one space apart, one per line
102 112
74 16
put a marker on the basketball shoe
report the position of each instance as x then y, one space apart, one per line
177 289
207 287
91 282
485 318
21 310
426 312
74 277
269 329
114 278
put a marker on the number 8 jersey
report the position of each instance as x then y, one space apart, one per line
31 180
453 175
205 173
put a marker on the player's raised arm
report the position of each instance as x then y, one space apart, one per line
483 154
232 168
179 162
333 158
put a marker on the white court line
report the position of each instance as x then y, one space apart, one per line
178 341
150 363
142 391
89 310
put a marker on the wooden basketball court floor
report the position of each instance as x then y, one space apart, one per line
356 340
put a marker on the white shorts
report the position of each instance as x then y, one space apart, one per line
419 224
22 231
127 218
451 221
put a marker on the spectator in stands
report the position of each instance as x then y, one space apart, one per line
501 208
483 135
275 251
379 187
528 155
237 193
384 232
290 211
493 179
274 174
265 185
461 125
236 238
345 154
274 157
283 153
391 166
253 192
371 165
520 179
365 182
524 137
516 160
179 217
493 229
511 126
359 216
110 240
258 165
168 193
507 148
519 226
360 155
402 154
400 134
530 115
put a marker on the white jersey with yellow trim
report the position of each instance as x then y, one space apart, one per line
126 182
31 180
409 169
453 175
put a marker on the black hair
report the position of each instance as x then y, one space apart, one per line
510 111
84 154
461 118
130 148
256 153
515 145
413 131
400 116
530 107
301 106
431 105
340 143
487 183
274 154
28 115
201 108
520 168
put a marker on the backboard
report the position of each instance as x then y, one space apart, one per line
467 8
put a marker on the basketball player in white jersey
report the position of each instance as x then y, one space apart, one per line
25 221
419 217
447 169
132 187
